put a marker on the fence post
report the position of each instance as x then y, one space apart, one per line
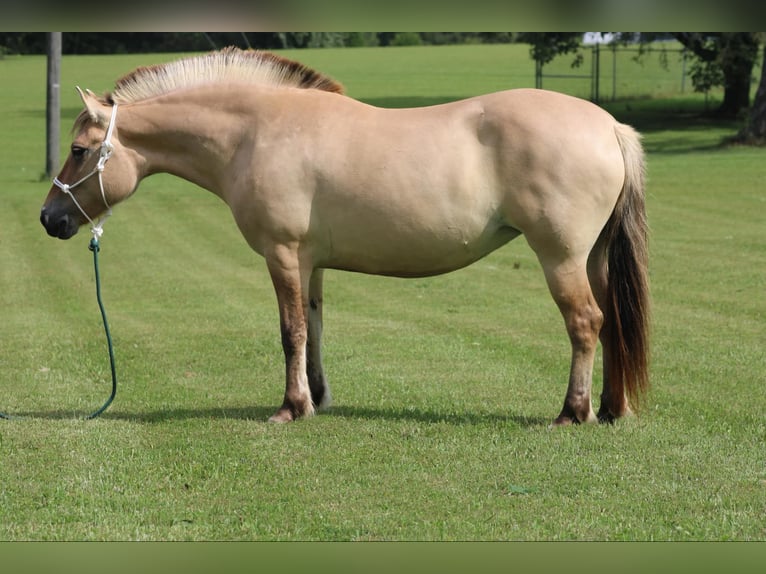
53 104
538 74
595 73
614 72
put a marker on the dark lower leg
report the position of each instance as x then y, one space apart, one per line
614 403
320 392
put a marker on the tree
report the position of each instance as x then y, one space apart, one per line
721 58
548 45
754 131
724 58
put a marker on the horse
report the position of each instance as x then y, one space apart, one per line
318 180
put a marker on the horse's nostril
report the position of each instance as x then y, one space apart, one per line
44 218
63 224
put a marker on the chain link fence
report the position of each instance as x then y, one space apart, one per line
604 73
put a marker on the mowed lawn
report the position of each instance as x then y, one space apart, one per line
443 388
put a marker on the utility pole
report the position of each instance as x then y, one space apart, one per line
53 104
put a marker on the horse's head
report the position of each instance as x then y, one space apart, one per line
98 173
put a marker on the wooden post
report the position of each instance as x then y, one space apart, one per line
595 73
53 104
538 74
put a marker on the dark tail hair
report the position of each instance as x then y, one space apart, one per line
627 315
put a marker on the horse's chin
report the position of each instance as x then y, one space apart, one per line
66 234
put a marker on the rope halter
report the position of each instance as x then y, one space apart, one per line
104 154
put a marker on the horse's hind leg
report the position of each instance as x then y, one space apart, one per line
614 403
320 390
583 318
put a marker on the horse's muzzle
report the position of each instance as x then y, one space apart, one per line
62 226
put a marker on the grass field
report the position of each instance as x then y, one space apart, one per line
443 387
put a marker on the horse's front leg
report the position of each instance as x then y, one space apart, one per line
291 284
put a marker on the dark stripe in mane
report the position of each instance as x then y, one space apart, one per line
229 64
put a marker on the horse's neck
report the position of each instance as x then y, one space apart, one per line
188 139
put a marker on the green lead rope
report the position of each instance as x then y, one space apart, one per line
95 248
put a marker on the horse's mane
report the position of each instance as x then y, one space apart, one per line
229 64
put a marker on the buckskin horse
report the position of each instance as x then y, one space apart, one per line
318 180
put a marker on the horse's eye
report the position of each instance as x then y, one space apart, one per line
78 152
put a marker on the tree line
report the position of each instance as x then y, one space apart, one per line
146 42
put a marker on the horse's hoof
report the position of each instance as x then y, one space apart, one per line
288 414
282 416
563 421
605 415
566 419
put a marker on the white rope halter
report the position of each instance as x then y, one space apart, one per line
104 154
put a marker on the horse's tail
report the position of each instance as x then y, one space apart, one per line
626 344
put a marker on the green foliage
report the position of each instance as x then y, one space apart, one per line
719 54
406 39
548 45
443 387
361 39
315 39
705 75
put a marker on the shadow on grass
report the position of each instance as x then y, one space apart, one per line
244 413
261 414
42 415
433 417
686 125
256 414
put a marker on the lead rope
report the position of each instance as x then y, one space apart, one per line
95 248
97 231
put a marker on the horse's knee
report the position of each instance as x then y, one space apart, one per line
571 290
584 325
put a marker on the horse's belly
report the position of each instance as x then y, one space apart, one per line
407 253
417 209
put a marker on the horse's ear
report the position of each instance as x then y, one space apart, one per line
94 107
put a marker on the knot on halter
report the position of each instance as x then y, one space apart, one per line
106 152
98 230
